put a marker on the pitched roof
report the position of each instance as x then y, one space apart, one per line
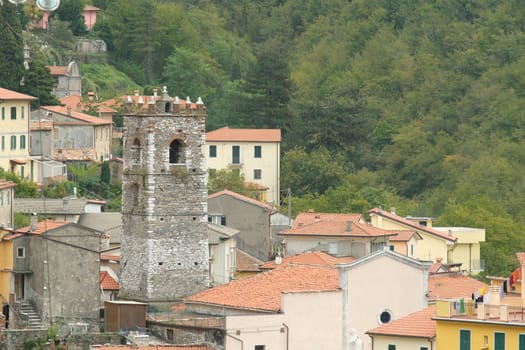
309 258
338 228
446 286
82 117
74 154
91 8
303 219
6 184
49 206
244 135
245 262
411 224
216 233
240 197
417 324
107 282
42 227
6 94
404 235
263 291
152 347
76 101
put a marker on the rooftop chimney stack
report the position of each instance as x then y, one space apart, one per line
34 222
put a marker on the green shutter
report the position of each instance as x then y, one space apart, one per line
499 341
521 342
464 339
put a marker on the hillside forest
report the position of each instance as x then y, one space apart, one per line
412 104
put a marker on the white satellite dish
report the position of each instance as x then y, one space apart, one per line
47 5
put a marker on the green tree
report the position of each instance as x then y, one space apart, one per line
39 83
71 11
105 174
11 47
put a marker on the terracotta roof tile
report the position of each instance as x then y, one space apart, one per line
310 258
86 118
244 135
152 347
452 286
107 282
308 218
91 8
240 197
411 224
418 324
6 94
337 228
6 184
404 235
76 101
263 291
246 262
42 227
109 257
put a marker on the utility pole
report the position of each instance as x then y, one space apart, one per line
289 193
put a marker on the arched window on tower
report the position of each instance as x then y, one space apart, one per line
176 152
136 152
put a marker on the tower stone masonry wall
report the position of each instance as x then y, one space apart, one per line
164 251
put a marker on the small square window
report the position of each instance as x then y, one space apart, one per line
20 252
13 113
257 152
391 347
213 151
257 174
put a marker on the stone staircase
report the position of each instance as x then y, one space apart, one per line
34 321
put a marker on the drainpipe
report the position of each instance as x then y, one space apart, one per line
238 339
343 284
287 335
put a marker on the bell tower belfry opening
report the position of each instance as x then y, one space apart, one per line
164 248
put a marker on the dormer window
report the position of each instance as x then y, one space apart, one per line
176 152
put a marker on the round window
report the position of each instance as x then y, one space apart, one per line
385 316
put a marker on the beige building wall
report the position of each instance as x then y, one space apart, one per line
381 342
309 321
267 164
102 142
467 250
14 136
429 248
383 284
222 261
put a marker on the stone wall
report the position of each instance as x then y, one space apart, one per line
164 250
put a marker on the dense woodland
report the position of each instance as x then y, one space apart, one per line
413 104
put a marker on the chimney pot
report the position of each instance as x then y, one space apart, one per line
349 226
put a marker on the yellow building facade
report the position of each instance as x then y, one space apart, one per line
6 266
14 133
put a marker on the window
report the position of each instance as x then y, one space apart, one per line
20 252
1 198
8 195
3 143
392 248
257 151
499 341
13 142
377 246
217 219
236 154
391 347
23 142
22 112
176 152
169 334
22 171
257 174
411 250
464 339
259 347
385 316
3 113
521 342
13 113
423 348
213 151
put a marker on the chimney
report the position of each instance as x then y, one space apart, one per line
278 259
136 92
34 222
152 104
155 91
68 110
349 226
176 104
439 260
140 102
393 210
65 204
91 95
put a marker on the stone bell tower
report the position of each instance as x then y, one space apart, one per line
164 246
